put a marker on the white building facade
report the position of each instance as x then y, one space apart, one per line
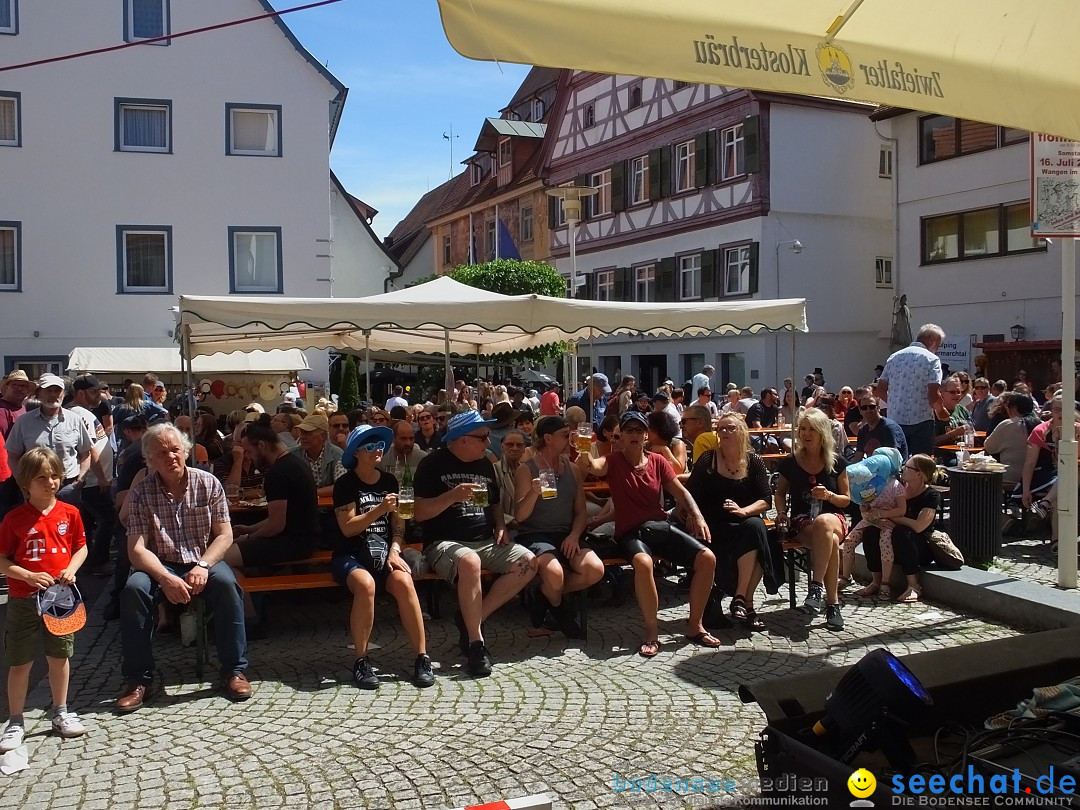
711 193
196 165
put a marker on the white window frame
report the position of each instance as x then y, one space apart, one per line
639 180
537 110
737 263
600 202
447 254
278 287
560 208
124 287
733 152
476 173
129 22
605 285
690 277
15 229
527 223
125 104
506 152
883 271
491 238
645 283
885 162
13 16
16 102
273 111
684 166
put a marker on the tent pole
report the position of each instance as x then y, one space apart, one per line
794 403
367 366
448 374
185 368
478 372
1067 451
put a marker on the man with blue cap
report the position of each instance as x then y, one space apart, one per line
458 504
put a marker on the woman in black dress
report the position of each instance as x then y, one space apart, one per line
731 486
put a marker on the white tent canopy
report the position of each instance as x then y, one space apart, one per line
419 319
126 360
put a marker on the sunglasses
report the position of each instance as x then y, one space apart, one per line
425 418
373 447
868 407
483 438
726 429
339 425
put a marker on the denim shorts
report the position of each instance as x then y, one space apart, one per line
342 564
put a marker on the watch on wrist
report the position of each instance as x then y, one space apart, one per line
203 564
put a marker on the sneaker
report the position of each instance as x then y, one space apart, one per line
1042 509
68 725
834 619
12 738
479 665
422 674
815 599
363 675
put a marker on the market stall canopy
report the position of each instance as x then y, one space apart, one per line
417 319
126 360
1011 62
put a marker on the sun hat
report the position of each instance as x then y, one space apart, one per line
315 421
61 608
504 414
465 423
17 375
361 435
634 416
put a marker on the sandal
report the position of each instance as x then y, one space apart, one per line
910 596
648 649
752 620
868 590
738 608
844 582
704 639
884 593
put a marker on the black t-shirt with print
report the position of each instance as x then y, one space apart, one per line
371 546
440 472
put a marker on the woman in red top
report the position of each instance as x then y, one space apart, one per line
642 530
1045 437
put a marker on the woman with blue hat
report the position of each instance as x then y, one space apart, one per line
367 555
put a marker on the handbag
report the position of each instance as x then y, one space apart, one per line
944 551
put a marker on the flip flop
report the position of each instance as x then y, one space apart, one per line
753 622
648 649
705 639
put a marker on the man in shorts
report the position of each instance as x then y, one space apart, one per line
458 506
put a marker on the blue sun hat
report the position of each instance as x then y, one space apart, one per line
465 423
365 434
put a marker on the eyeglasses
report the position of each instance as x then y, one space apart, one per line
726 428
483 438
868 407
373 447
425 418
339 425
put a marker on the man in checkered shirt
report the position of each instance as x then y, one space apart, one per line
178 529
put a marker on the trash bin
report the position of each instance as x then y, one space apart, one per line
975 513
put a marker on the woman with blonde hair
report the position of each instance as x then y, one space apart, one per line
731 486
813 487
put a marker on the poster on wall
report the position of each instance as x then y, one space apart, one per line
1055 186
956 353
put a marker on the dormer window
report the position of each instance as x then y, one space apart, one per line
505 152
476 174
537 110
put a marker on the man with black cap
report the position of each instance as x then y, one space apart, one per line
458 506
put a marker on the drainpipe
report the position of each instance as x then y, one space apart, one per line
893 144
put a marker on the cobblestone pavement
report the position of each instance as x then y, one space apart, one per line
1029 557
556 717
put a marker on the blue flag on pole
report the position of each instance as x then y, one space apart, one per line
507 248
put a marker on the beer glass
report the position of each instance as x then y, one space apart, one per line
548 482
406 501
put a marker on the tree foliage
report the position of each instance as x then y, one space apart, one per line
349 395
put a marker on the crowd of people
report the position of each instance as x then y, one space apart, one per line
491 478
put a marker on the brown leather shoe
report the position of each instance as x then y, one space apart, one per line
132 698
237 687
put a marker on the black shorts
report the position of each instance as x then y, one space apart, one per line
342 564
274 550
539 543
658 538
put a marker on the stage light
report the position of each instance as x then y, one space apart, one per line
869 709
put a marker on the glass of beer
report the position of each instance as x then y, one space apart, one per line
232 492
480 492
583 442
406 500
548 483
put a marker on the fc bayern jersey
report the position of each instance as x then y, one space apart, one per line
40 543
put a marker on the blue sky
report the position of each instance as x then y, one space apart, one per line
406 87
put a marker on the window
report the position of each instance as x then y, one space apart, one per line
599 203
737 270
732 152
494 162
537 110
590 115
255 264
639 180
942 137
253 129
634 96
505 152
9 16
10 124
984 232
37 366
684 166
560 208
489 238
645 283
446 255
143 125
526 223
605 285
885 162
144 19
10 248
690 277
476 174
144 259
679 85
883 271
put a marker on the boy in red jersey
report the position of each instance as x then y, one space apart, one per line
41 542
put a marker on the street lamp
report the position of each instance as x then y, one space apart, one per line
571 197
1017 331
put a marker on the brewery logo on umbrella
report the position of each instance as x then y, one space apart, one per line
835 67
